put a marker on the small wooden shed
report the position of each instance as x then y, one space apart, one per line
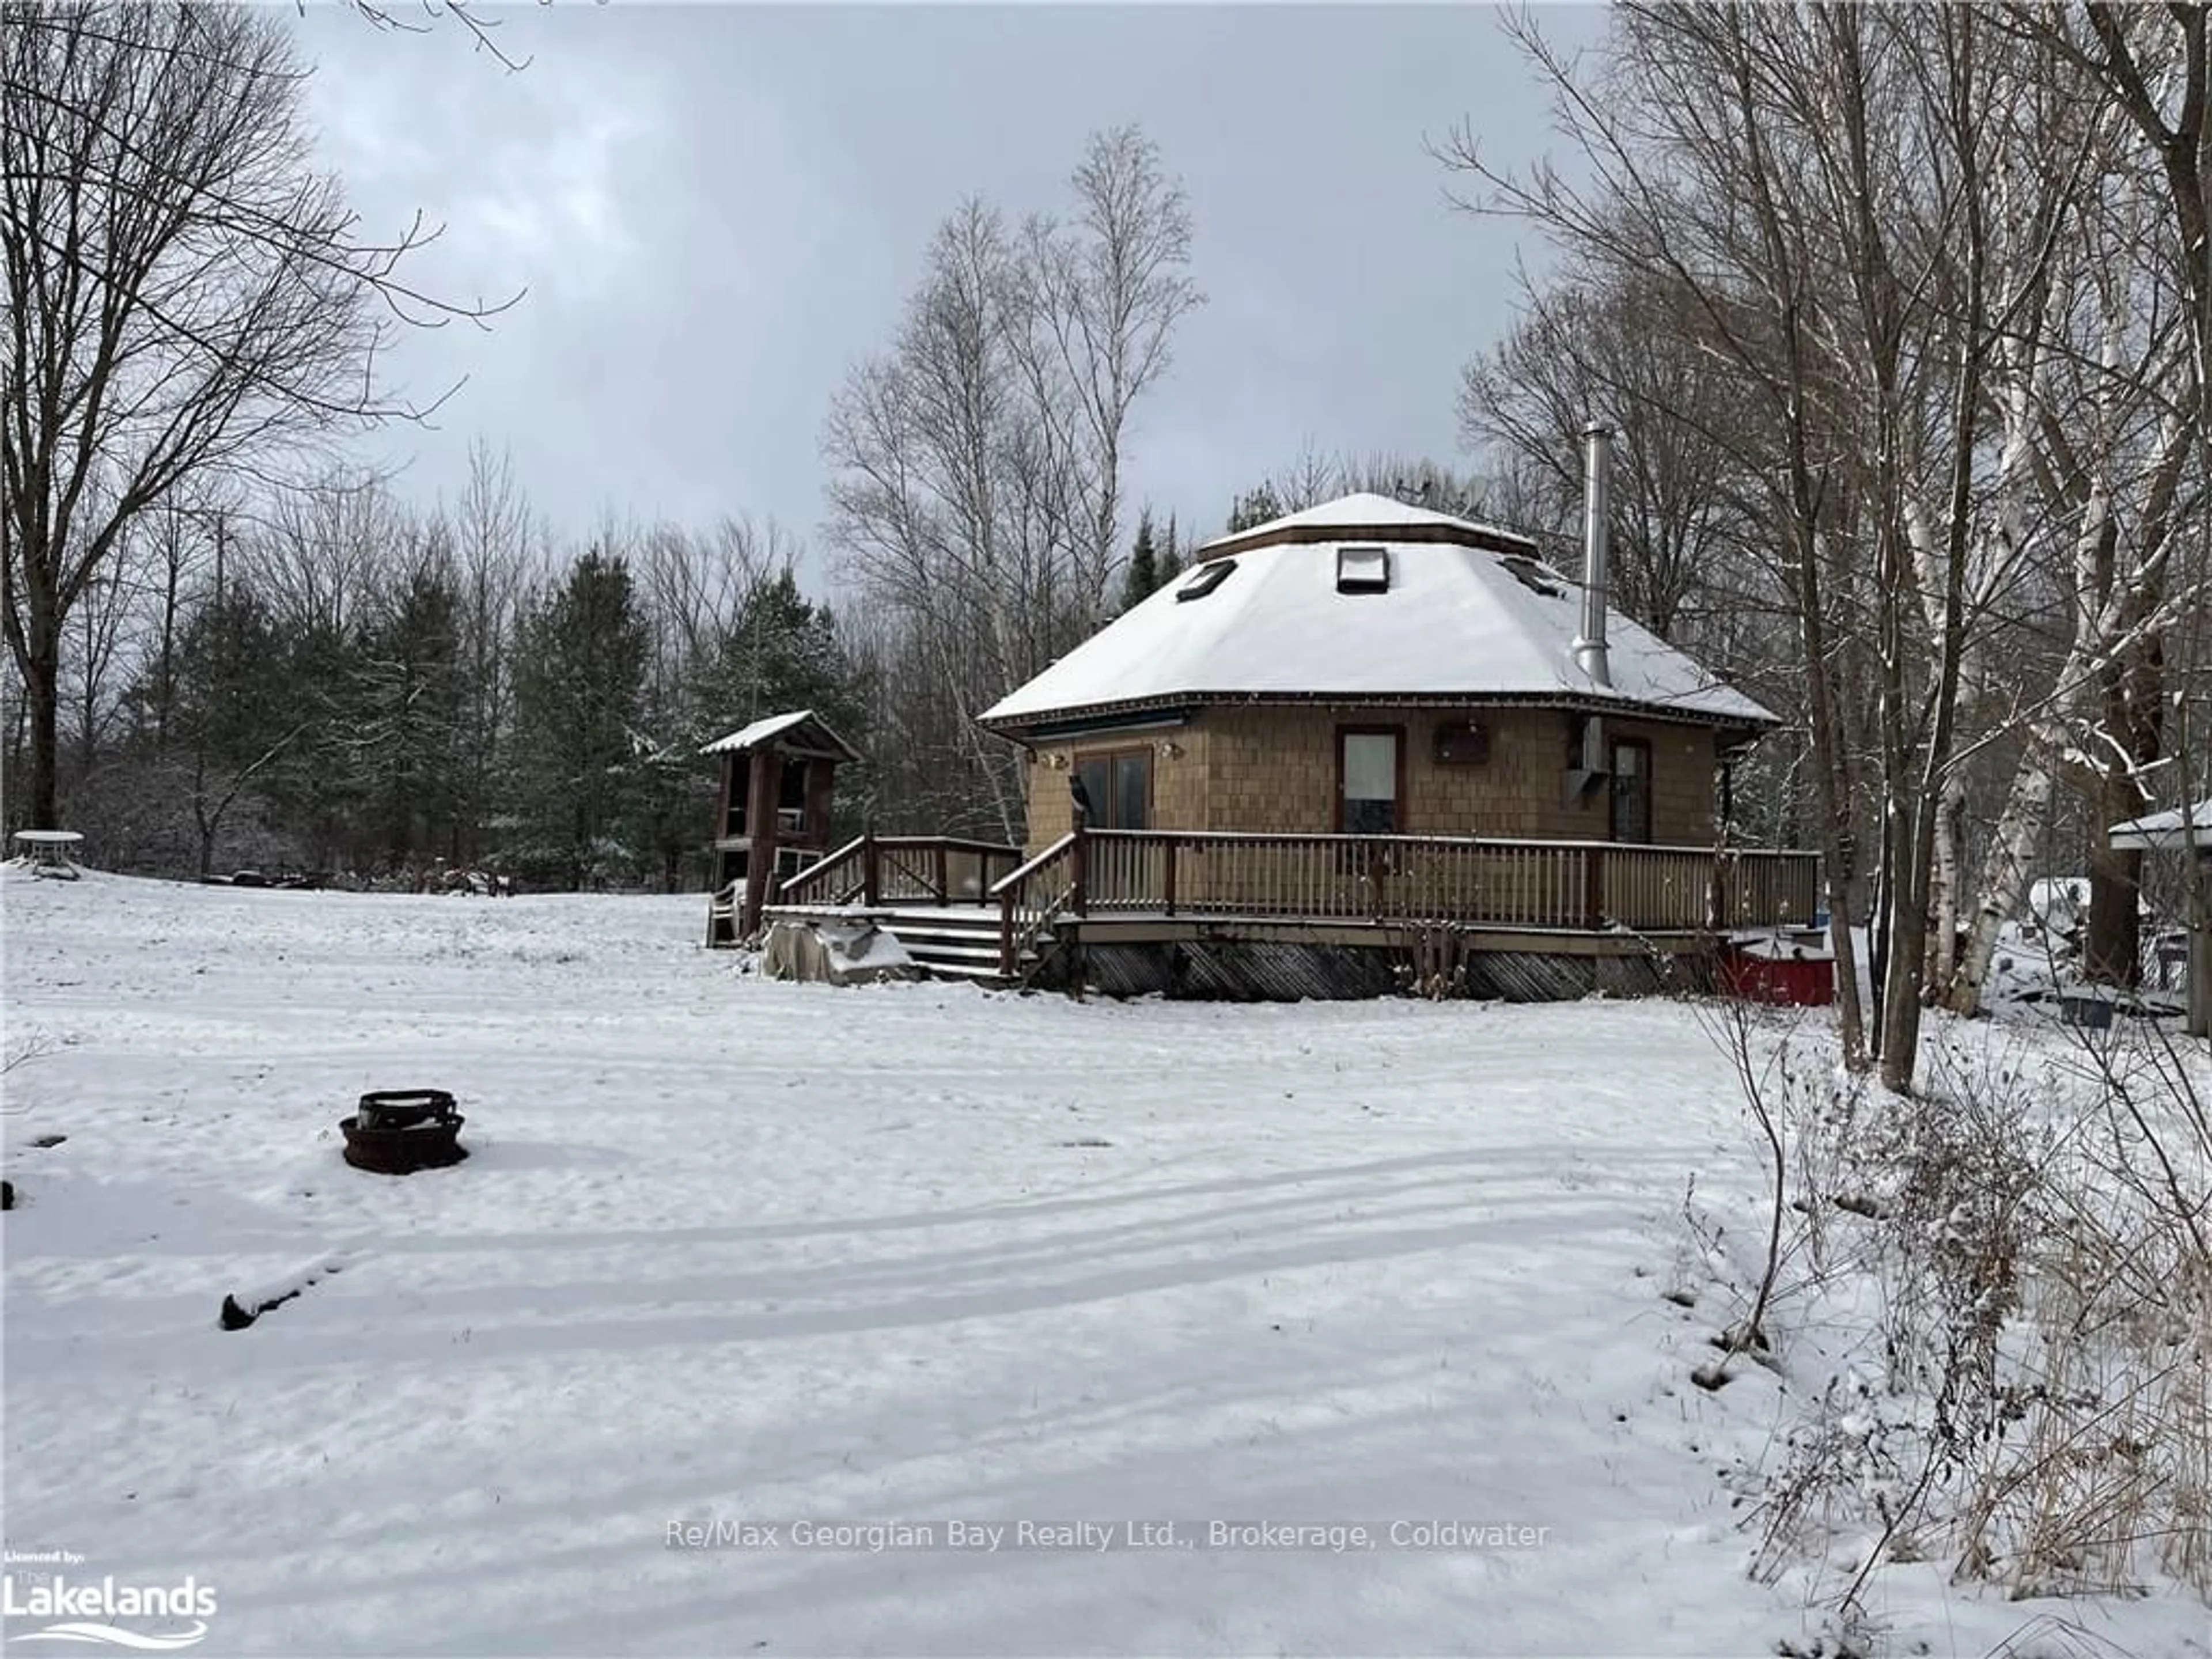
772 817
2191 831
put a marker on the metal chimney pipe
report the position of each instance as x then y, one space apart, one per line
1597 464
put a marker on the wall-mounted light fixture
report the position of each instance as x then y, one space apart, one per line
1170 750
1057 761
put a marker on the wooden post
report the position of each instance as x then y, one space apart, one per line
1007 965
2198 1022
1079 877
761 793
943 875
1168 876
1718 898
1593 887
872 874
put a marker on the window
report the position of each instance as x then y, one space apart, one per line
1206 579
1369 780
1362 569
1531 576
1118 785
791 785
1462 743
1631 791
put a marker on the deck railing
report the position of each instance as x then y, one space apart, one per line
1033 895
1764 888
1560 885
874 869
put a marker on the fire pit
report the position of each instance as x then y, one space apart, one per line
399 1131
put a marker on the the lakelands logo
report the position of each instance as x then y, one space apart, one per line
162 1618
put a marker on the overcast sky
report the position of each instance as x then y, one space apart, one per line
717 210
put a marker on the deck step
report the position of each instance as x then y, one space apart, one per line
980 974
946 948
953 952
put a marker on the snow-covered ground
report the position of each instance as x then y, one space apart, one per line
730 1252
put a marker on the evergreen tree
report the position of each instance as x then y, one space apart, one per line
402 733
1144 573
236 711
1170 555
580 670
1255 506
319 794
781 652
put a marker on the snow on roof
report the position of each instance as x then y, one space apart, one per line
774 726
2164 830
1456 621
1370 515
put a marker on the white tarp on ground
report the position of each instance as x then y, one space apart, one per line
855 952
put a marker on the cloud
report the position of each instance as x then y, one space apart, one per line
718 209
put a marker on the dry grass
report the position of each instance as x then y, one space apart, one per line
2006 1282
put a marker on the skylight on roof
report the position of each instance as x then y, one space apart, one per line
1208 577
1362 569
1531 576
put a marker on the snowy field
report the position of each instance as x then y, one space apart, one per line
731 1253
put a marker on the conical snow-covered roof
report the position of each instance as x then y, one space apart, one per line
1450 611
1368 516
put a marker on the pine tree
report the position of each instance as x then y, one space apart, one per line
237 711
1144 571
1255 506
1170 555
580 670
781 653
406 699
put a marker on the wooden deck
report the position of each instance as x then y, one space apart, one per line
1229 913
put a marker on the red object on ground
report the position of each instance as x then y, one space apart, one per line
1806 981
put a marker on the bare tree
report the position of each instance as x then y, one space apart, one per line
1103 297
1609 350
491 532
2103 414
1845 213
185 293
1692 188
979 494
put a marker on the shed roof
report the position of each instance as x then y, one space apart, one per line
801 730
2164 831
1469 614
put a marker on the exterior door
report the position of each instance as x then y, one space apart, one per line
1118 784
1367 781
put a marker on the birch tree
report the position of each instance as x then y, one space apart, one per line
1691 179
492 534
2103 415
979 494
1820 193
